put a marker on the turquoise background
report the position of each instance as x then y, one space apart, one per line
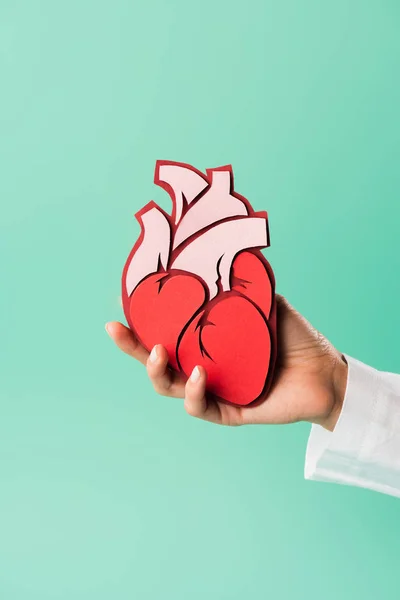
106 490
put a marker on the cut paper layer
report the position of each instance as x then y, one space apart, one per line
169 303
153 250
235 357
216 204
210 255
184 184
258 288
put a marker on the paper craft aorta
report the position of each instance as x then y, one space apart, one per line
197 283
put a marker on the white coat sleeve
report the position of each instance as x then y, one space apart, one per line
364 448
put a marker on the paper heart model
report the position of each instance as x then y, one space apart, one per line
197 283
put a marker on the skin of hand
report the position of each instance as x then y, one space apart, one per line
309 383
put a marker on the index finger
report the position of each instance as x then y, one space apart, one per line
126 341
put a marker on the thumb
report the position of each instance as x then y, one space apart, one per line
195 393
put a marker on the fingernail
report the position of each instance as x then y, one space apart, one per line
107 329
153 355
195 376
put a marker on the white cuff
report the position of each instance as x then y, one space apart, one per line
364 448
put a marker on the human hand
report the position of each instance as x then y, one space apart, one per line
309 383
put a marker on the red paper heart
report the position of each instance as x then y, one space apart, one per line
197 283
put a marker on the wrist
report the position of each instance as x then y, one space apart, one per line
339 385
